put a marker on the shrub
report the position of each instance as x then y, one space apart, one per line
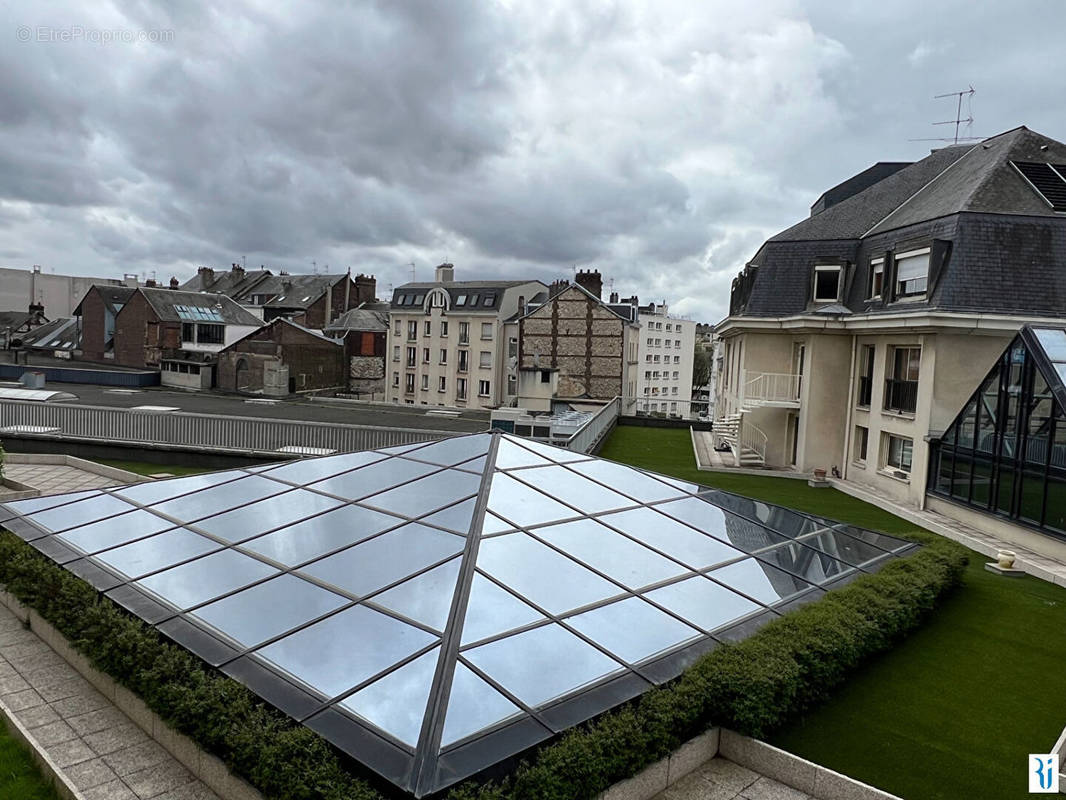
752 686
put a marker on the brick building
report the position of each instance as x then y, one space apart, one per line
572 346
156 324
280 358
96 314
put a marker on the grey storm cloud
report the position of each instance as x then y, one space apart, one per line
661 141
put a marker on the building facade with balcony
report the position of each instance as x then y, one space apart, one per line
446 345
856 336
664 362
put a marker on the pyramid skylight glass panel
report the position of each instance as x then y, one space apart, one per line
454 602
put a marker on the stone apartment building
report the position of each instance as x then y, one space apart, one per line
855 337
572 347
664 354
446 346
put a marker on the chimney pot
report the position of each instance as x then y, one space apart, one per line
174 283
445 273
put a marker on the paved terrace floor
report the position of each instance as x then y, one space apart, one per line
720 779
57 478
103 753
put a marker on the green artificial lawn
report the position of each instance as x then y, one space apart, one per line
952 711
146 468
19 776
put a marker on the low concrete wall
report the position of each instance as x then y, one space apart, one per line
62 459
664 422
208 768
765 759
51 771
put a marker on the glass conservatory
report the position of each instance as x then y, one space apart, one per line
436 609
1005 453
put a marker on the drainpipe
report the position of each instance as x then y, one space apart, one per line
846 460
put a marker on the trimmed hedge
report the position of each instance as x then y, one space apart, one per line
752 687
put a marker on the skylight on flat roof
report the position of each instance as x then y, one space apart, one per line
433 609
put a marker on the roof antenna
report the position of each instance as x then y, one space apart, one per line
959 119
411 264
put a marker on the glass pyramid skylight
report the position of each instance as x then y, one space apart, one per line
434 609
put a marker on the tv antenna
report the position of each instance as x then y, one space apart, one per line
959 118
411 264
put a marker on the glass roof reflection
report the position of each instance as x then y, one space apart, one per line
446 599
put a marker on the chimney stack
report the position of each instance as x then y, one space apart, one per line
174 282
445 273
590 281
237 268
207 276
150 283
614 297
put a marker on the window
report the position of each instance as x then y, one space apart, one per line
411 355
486 330
396 379
512 348
650 340
460 300
545 376
512 384
412 330
655 374
675 375
409 382
464 360
425 355
464 333
426 326
898 451
673 390
210 334
658 342
866 377
399 328
669 327
655 359
912 273
442 384
444 328
425 383
877 278
648 358
862 439
483 388
419 299
901 389
485 359
474 298
677 359
460 388
395 352
647 374
677 343
443 356
827 283
490 299
188 331
678 327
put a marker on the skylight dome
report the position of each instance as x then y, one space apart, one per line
433 609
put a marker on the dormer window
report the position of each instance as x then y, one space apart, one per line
912 273
877 278
827 281
460 300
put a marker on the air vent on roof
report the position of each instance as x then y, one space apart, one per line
1047 179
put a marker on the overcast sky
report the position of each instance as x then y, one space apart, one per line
659 141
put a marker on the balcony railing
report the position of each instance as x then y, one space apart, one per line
901 396
763 388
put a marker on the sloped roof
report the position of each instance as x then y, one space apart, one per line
851 218
296 291
60 334
361 319
435 608
234 283
404 297
114 297
14 319
165 303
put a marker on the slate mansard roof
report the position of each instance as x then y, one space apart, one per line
998 246
434 609
404 297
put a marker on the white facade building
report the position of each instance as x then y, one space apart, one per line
664 362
